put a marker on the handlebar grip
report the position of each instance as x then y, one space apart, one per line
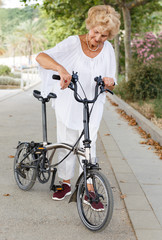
56 77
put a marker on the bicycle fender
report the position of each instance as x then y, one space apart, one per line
73 197
20 143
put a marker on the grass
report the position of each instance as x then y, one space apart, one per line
151 109
9 87
158 107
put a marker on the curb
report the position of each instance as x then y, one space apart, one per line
144 123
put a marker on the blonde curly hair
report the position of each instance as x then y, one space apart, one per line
105 17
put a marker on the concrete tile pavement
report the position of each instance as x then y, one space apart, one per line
34 212
6 93
138 172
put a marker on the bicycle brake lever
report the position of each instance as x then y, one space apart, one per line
74 77
108 90
105 90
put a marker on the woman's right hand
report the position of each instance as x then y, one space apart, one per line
47 62
65 77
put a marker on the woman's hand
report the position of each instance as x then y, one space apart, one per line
47 62
64 76
109 83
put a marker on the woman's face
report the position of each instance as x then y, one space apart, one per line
97 37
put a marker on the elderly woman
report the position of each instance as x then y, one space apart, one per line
90 55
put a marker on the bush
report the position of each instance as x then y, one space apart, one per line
9 81
121 90
147 48
4 70
15 75
145 82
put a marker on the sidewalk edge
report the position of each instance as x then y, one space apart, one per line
20 91
144 123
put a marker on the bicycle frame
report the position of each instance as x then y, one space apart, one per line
33 160
84 152
86 114
86 142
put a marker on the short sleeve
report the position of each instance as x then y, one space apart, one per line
112 66
59 53
62 48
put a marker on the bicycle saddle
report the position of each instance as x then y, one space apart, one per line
37 94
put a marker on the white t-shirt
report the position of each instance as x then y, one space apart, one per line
69 54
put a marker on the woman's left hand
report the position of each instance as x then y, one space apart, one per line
109 82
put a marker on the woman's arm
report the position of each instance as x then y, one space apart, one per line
47 62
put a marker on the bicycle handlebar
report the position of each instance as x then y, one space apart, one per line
73 86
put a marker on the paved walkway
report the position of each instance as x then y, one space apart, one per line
7 93
134 172
138 172
33 215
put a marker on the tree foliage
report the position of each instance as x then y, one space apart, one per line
11 18
146 18
21 31
66 17
31 38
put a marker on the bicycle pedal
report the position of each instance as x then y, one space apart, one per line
59 188
56 188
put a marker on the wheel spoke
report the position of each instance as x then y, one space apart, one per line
96 214
26 175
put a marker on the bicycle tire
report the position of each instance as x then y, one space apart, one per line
87 214
25 176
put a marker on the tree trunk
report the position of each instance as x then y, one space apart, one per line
14 49
127 40
30 52
116 44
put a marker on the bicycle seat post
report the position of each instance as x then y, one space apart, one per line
44 122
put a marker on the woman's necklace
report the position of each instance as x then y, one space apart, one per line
93 50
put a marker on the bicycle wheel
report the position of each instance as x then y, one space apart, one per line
93 217
24 171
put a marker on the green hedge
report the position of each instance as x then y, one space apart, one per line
145 82
15 75
9 81
4 70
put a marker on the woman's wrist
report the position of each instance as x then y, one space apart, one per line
58 67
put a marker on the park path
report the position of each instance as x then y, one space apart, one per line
33 215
